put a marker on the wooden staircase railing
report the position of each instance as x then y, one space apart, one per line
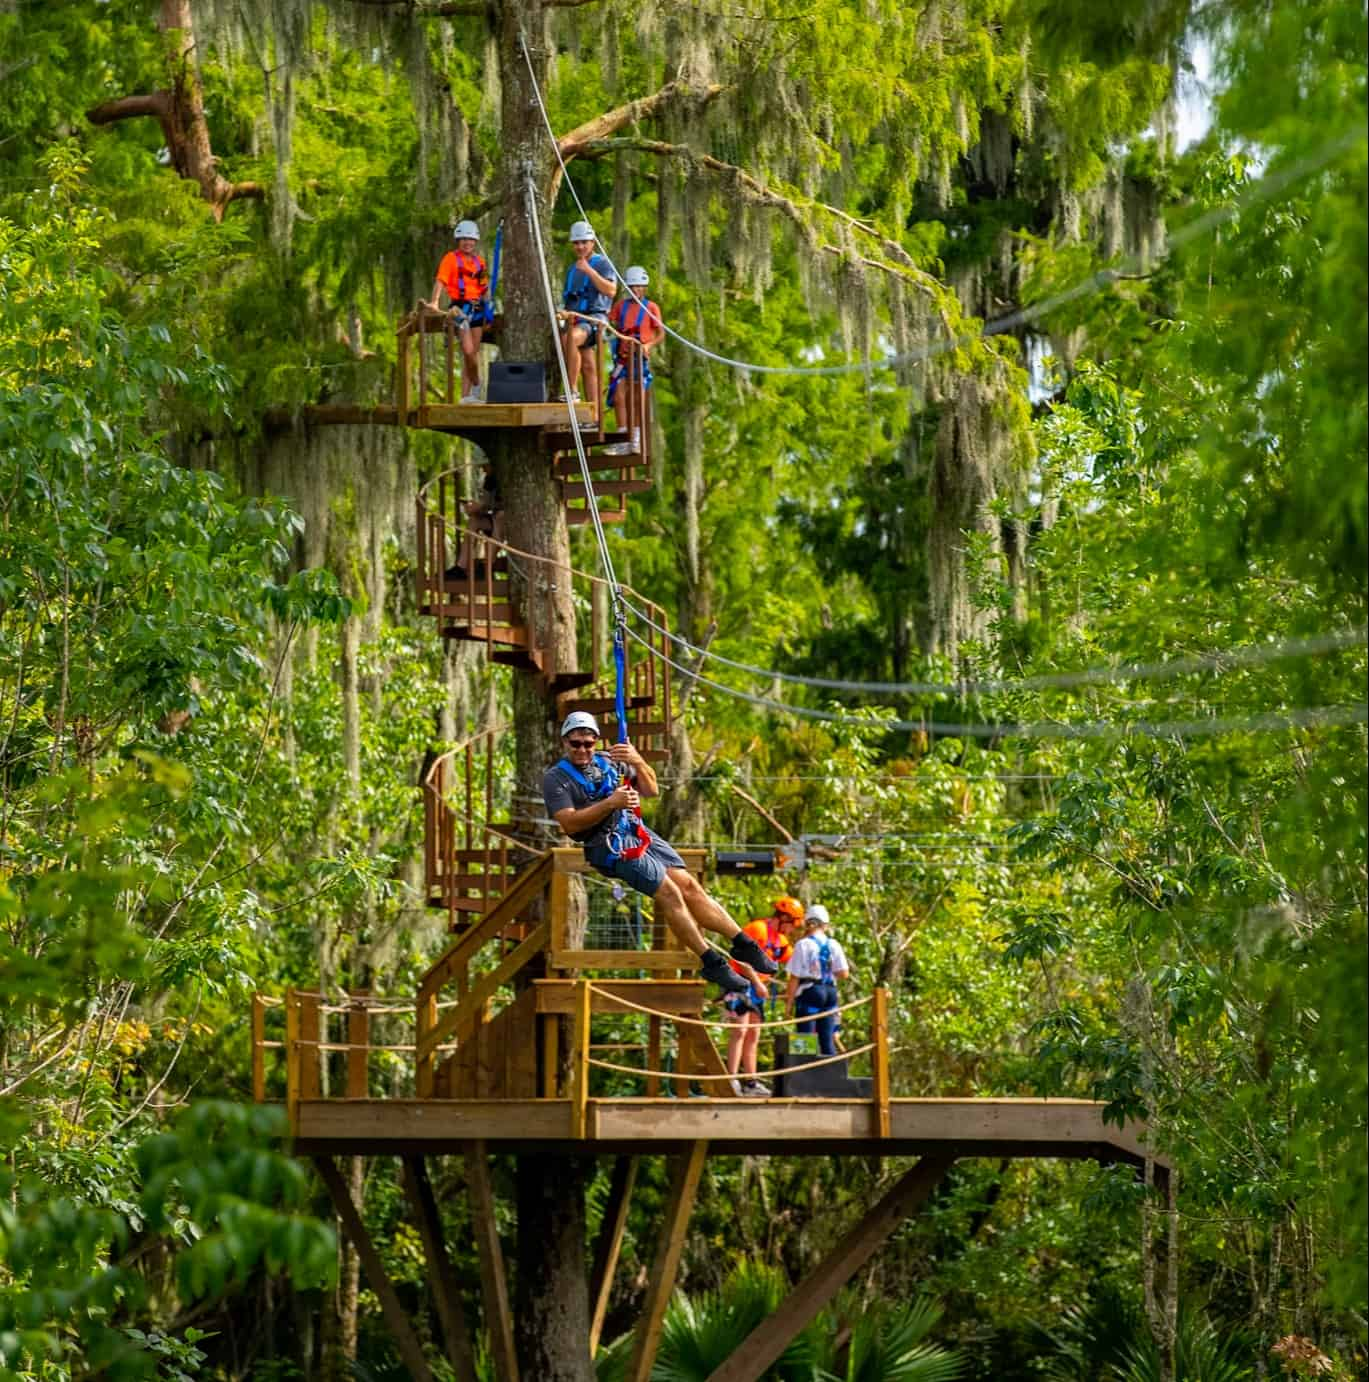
453 968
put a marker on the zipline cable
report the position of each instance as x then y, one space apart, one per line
1328 716
1216 661
1266 188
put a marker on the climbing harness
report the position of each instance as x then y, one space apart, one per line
623 331
628 826
581 295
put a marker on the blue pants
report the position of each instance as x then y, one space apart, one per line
818 998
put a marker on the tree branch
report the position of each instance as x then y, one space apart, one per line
156 103
800 213
643 108
180 111
444 10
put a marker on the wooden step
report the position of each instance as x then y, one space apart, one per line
496 589
516 858
529 659
563 683
482 633
481 612
567 467
573 489
603 705
461 904
490 883
574 516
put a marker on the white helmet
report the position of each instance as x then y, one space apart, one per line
582 230
816 915
466 230
579 719
636 277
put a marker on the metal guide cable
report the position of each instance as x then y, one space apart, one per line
1218 660
1323 716
1263 190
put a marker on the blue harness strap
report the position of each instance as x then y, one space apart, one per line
631 821
825 961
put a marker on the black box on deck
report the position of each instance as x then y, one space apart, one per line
517 381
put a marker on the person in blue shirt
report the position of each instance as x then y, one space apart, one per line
588 295
595 798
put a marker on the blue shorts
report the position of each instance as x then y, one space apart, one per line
590 328
646 873
469 313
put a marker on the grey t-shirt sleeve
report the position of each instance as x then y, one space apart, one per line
558 791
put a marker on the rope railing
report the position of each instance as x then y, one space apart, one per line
724 1022
688 1075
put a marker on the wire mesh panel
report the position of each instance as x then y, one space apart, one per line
615 920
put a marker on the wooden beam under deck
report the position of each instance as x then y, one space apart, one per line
752 1127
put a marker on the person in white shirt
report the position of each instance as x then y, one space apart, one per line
815 968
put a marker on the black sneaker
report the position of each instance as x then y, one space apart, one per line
749 953
717 971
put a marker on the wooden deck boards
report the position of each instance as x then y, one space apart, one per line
782 1127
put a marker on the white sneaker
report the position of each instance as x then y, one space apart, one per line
736 1086
755 1089
574 397
471 398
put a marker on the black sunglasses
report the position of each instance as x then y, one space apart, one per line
582 743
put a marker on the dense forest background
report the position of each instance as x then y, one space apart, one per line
1145 885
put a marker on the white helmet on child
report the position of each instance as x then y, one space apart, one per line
466 230
816 915
582 230
636 277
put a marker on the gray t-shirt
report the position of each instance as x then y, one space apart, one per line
560 789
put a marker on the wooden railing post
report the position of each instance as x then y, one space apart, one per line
310 1057
579 1085
292 1062
358 1042
258 1049
425 1019
402 377
879 1034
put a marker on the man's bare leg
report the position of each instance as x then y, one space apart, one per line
670 907
703 909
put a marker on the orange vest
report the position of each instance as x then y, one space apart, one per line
463 276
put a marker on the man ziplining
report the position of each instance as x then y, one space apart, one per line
596 799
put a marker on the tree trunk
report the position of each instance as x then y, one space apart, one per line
551 1289
180 111
551 1298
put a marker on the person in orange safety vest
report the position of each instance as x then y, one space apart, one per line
462 275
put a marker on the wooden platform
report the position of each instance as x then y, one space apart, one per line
1072 1128
475 417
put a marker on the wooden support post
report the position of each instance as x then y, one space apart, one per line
309 1054
358 1043
402 378
609 1244
764 1345
410 1351
447 1295
879 1034
684 1185
258 1049
551 1053
426 1020
493 1283
579 1051
292 1062
653 1056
